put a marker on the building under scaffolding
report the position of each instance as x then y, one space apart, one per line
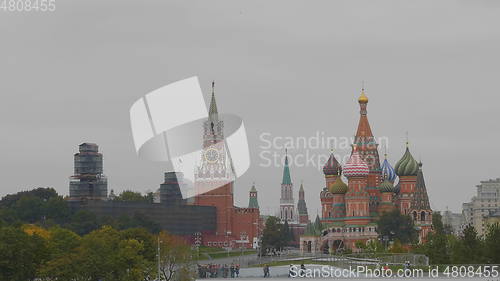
88 191
88 181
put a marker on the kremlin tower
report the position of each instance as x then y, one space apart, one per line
297 219
253 203
287 205
214 181
302 207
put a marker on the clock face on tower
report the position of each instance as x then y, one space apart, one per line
211 155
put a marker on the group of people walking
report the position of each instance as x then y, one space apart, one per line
218 270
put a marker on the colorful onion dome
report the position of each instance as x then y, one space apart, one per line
355 166
363 98
388 171
397 188
339 186
407 165
331 166
387 186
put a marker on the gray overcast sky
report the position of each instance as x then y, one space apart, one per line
287 68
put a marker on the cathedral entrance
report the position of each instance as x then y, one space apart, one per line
332 246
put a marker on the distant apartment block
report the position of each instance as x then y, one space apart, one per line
454 220
482 206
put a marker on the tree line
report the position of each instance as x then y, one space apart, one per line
41 238
441 246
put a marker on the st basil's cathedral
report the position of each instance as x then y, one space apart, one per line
350 210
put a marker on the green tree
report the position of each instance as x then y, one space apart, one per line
29 208
437 223
57 209
437 245
83 222
20 254
394 225
436 248
473 245
468 248
175 258
147 240
272 237
43 194
286 233
492 245
62 241
397 247
131 196
100 255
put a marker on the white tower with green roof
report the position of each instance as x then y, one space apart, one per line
287 204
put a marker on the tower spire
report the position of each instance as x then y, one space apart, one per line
212 113
366 143
286 171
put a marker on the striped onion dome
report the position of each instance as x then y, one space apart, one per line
407 165
387 186
331 166
388 171
355 166
339 186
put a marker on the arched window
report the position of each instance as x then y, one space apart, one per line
414 215
422 215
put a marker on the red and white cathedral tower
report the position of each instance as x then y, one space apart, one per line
357 198
368 150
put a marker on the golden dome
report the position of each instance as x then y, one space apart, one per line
363 98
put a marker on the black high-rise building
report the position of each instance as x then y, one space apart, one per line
170 192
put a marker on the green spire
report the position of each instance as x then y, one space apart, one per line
253 189
212 113
314 228
286 171
317 223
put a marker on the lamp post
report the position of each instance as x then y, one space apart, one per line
159 267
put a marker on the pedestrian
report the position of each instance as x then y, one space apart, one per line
232 270
302 270
237 270
224 271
